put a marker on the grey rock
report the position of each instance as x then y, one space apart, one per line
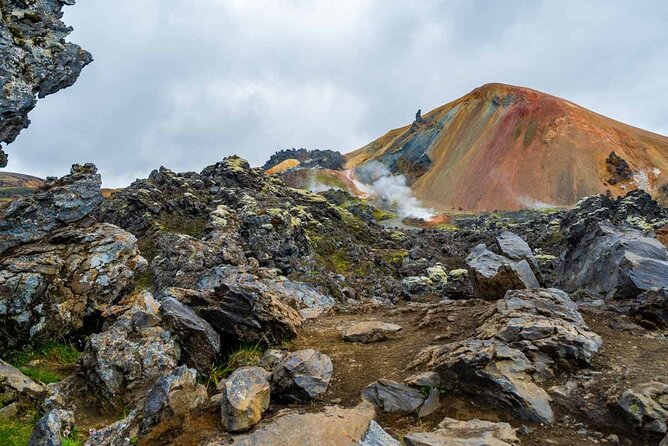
614 262
645 407
376 436
332 426
391 396
50 429
426 379
492 275
35 60
303 375
12 381
246 395
124 361
416 285
525 340
198 340
369 331
61 202
475 432
272 359
119 433
304 298
48 287
431 404
651 308
515 248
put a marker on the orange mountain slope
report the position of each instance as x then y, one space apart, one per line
506 147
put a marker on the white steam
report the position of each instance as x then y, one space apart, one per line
391 191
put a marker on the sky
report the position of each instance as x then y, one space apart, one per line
184 83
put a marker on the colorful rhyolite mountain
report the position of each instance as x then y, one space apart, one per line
506 147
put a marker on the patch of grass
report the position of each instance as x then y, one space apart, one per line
244 356
75 438
17 431
45 363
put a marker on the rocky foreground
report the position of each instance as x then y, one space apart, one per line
223 307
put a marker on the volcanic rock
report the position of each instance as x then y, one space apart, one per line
50 429
391 396
302 375
651 308
475 432
245 398
492 275
645 407
35 60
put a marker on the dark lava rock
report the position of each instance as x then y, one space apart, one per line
651 308
391 396
614 262
35 60
302 375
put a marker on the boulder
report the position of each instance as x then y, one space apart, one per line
245 398
438 275
52 427
376 436
426 379
645 407
303 297
391 397
513 247
49 286
15 384
369 331
415 285
59 203
651 308
172 398
525 340
451 432
272 359
332 426
124 361
198 340
302 375
614 262
492 275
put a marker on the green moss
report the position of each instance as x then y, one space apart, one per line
517 133
395 258
381 215
181 224
46 363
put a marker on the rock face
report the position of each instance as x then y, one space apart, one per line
35 60
525 340
198 340
59 203
246 396
492 275
645 407
51 427
369 331
475 432
58 266
124 361
333 426
376 436
303 375
614 262
390 397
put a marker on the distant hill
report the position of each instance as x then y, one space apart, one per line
507 147
13 185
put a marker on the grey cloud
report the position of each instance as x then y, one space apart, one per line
185 83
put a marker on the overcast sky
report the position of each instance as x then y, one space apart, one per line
183 83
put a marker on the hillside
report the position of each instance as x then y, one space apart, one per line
507 147
13 185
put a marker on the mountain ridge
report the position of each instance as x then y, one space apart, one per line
508 147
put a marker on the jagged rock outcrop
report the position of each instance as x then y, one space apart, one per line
492 275
516 248
614 262
52 428
35 60
125 360
651 308
391 397
59 203
525 340
57 265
